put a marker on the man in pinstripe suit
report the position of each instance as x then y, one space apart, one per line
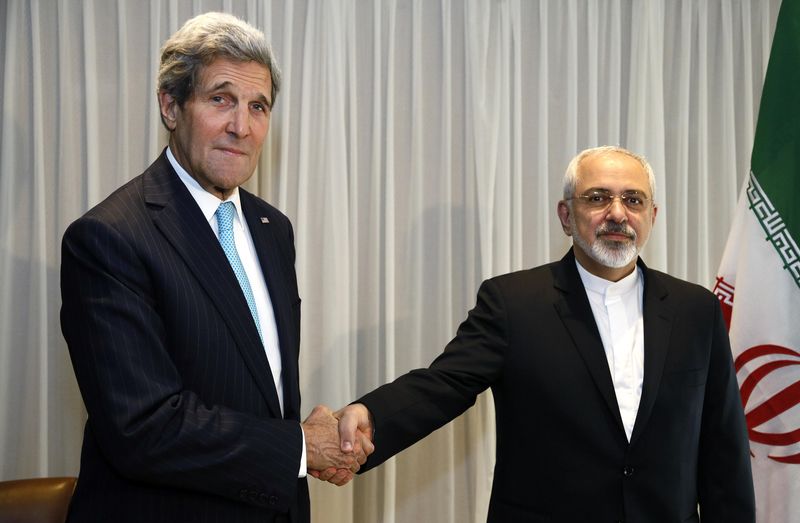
186 348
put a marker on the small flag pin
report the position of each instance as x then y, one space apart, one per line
264 219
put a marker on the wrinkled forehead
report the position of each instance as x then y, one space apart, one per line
242 75
614 172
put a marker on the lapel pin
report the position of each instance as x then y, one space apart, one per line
264 219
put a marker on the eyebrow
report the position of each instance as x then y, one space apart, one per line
223 86
603 189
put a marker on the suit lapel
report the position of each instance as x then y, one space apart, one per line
576 313
269 256
177 216
657 327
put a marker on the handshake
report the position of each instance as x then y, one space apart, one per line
337 443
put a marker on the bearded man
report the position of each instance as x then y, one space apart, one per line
614 387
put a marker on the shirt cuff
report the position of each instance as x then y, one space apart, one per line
303 466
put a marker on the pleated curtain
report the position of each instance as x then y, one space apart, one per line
418 147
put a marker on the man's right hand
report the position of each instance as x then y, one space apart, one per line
354 419
325 456
355 434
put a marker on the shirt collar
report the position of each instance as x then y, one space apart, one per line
207 202
606 287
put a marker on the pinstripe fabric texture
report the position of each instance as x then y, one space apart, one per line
184 422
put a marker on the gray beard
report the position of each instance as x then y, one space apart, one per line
610 254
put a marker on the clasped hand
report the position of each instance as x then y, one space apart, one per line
337 443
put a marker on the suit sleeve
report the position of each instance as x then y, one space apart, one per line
725 481
145 420
417 403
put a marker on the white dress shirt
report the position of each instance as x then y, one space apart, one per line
208 204
617 308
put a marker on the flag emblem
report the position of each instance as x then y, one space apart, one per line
758 283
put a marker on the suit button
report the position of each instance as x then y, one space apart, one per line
627 472
262 498
273 500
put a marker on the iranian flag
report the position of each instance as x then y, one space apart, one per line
759 282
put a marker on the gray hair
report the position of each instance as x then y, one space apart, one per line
571 174
202 40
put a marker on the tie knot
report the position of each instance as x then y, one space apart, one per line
225 216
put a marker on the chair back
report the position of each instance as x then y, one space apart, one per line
39 500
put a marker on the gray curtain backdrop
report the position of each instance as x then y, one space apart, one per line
418 147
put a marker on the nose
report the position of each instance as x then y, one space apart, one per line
616 211
239 122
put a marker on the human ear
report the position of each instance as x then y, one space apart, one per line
563 211
168 107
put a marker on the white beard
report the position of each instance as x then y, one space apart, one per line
610 254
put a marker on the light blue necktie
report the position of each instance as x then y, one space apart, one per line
225 213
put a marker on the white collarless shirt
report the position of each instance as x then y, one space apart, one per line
617 309
208 204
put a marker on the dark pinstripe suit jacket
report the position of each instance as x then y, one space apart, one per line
184 423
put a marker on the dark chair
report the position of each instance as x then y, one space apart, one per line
40 500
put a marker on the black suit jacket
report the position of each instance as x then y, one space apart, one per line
184 422
562 454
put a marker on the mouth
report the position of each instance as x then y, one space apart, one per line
615 236
232 151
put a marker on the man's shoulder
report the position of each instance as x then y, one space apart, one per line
127 202
529 280
677 286
120 205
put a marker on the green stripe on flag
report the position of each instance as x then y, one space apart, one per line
775 228
775 162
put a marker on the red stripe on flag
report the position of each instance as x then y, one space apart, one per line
762 350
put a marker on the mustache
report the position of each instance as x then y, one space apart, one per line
615 228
